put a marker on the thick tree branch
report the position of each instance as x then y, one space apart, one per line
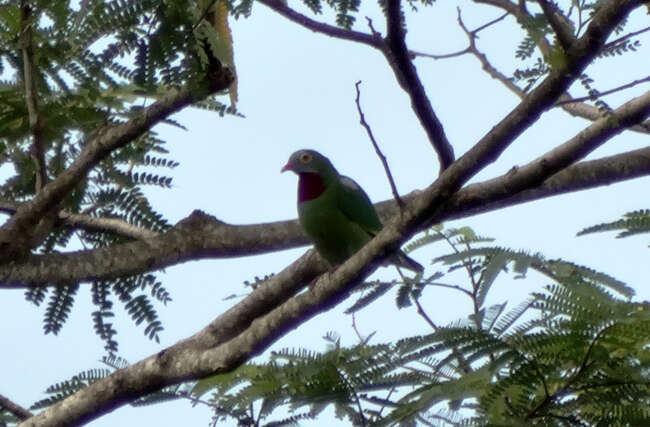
189 360
31 96
505 191
18 235
15 409
198 236
399 58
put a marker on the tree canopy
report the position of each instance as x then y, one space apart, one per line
87 88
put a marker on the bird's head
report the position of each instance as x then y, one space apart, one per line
309 161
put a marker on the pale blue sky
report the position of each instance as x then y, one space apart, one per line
297 91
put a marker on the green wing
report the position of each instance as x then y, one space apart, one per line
356 205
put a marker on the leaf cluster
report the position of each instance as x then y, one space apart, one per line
632 223
93 64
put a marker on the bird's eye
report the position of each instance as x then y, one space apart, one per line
305 158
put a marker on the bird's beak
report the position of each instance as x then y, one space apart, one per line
286 167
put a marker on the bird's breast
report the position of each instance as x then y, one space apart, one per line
310 186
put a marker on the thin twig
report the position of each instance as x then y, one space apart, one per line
486 65
604 93
423 313
464 51
454 287
384 162
415 53
15 409
381 409
625 37
356 331
356 397
31 97
372 28
489 23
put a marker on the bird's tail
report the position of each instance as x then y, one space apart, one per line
400 259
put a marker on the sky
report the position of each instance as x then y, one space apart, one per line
296 90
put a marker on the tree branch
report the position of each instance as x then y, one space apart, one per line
198 236
580 176
35 120
21 232
320 27
384 162
607 92
399 59
626 36
14 409
89 223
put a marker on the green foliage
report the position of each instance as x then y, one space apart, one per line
59 307
620 48
573 353
6 418
531 74
632 223
96 63
535 28
594 94
66 388
60 391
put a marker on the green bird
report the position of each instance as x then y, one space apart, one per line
335 212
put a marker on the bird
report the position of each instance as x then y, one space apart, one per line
334 211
